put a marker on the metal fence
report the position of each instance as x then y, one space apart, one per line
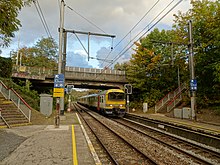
170 96
12 95
70 72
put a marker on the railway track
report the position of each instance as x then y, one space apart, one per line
119 150
197 135
156 147
199 153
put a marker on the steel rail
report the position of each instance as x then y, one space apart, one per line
147 157
197 158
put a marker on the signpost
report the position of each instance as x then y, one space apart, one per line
193 85
58 91
59 85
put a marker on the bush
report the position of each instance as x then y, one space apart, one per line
30 96
5 67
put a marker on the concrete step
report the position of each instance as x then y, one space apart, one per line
11 113
2 123
8 117
10 122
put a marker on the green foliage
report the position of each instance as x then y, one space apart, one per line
122 66
42 54
5 67
205 20
31 97
153 67
9 23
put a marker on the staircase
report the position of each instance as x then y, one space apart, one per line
12 113
167 103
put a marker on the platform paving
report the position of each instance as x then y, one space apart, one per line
196 125
45 144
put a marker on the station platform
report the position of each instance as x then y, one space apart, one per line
195 125
66 145
45 144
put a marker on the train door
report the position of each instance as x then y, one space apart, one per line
98 103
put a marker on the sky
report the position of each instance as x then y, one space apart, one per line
115 17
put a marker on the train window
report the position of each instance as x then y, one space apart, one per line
116 96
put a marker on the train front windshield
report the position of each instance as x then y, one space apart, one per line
116 96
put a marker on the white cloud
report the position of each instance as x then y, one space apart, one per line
81 53
114 17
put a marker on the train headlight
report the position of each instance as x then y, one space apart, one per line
121 105
110 105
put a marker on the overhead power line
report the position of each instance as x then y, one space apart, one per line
125 50
132 28
85 18
42 18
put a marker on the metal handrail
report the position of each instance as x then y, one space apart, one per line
169 96
12 95
174 102
5 122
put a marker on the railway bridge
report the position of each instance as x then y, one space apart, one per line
90 78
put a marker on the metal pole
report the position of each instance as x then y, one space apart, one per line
172 62
57 119
18 47
61 36
127 103
192 71
20 58
178 74
64 52
88 45
63 70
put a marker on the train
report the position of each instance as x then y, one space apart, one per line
110 102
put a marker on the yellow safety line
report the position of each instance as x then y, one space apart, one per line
75 161
92 150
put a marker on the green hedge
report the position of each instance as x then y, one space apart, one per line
30 96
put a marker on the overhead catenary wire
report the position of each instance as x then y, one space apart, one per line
85 19
81 43
42 18
87 51
125 50
129 33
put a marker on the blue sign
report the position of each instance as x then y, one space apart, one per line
193 85
59 81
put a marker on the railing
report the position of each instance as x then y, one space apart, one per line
12 95
169 97
174 102
5 121
70 72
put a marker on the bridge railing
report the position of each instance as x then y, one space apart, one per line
92 74
70 72
94 70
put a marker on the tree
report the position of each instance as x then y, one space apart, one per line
152 69
205 18
5 67
47 47
42 54
9 23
